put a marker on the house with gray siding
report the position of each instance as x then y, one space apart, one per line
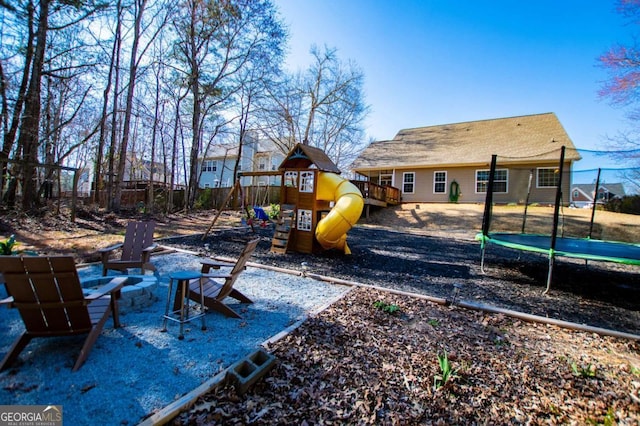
451 162
216 168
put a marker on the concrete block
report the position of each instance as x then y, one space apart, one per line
244 373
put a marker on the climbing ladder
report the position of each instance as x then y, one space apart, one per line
282 233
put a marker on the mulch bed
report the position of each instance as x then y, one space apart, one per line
374 356
357 363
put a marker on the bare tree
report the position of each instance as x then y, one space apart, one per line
216 40
623 63
112 74
30 121
56 101
622 89
14 68
260 71
323 106
156 25
45 18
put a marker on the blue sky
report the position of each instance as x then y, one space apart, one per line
429 62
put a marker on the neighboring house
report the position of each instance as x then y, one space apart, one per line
84 182
427 163
216 169
582 194
137 169
257 156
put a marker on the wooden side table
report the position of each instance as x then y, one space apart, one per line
181 308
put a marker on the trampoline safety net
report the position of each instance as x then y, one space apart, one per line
551 202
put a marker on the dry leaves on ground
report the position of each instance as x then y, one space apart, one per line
358 363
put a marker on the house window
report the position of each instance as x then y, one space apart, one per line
209 166
576 193
262 164
548 177
408 182
291 179
386 179
304 220
306 181
439 182
500 180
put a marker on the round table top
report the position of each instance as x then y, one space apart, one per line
185 275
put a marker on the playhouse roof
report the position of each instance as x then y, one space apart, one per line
308 157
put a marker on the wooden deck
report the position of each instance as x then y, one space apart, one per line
377 195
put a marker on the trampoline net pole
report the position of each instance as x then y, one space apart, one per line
488 202
486 218
556 212
595 203
550 272
526 202
556 209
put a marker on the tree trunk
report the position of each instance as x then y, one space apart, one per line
174 154
154 134
114 126
133 68
97 180
10 135
29 128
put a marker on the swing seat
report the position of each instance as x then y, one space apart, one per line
260 213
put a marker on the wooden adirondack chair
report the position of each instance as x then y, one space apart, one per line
47 292
136 249
218 286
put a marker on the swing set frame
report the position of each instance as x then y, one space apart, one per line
237 188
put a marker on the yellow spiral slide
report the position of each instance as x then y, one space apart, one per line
331 231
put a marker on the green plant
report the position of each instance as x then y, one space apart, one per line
6 246
635 370
500 341
446 371
385 307
204 199
588 371
249 217
274 211
433 322
610 417
554 409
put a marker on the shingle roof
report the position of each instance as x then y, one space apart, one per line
222 151
589 188
304 156
526 138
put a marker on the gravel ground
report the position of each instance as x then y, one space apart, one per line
599 294
136 369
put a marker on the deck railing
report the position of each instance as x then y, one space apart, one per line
370 190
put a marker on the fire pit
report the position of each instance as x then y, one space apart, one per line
138 291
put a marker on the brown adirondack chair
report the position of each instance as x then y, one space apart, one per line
135 250
218 286
47 292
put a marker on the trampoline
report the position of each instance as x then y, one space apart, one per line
580 248
555 245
